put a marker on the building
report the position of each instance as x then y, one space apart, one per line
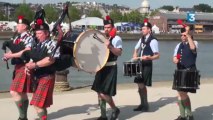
145 7
167 21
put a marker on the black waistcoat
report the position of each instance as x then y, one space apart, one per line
188 58
39 52
147 49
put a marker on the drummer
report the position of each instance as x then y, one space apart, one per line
185 55
106 79
146 50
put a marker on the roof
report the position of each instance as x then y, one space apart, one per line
89 21
182 15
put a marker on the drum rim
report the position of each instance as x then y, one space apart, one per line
187 70
75 47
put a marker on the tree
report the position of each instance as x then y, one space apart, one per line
167 7
116 15
154 12
125 18
51 13
24 10
2 16
74 13
203 8
135 17
95 13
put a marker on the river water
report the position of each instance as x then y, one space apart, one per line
163 67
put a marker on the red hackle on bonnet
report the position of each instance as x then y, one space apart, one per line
20 17
108 17
39 22
146 20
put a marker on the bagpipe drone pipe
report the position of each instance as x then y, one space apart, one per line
65 41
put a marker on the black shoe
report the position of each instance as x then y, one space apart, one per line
102 118
22 118
189 118
115 114
141 108
180 118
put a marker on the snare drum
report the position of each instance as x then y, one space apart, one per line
90 52
131 69
186 79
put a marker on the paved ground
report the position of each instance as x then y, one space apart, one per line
81 104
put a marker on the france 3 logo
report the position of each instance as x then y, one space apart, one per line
190 17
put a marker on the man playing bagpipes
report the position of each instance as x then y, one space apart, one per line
43 60
41 66
21 82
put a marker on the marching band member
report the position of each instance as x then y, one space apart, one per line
106 79
185 55
42 68
146 50
21 83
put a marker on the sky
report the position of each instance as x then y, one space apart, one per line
130 3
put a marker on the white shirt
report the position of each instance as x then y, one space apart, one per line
51 45
153 44
117 42
27 40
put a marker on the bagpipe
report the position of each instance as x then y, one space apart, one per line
65 60
14 48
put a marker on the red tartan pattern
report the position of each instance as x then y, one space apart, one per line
43 96
21 82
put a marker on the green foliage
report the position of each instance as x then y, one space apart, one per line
136 17
203 8
51 13
95 13
25 10
125 18
2 16
74 13
167 7
116 15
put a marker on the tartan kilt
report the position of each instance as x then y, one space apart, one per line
106 81
21 82
146 78
43 96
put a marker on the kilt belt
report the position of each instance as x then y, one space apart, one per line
111 63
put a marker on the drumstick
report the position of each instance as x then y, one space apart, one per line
112 33
136 58
180 22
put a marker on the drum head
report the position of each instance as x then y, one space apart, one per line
90 51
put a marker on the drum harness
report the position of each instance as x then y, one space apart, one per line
140 53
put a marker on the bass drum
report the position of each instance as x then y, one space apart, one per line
90 52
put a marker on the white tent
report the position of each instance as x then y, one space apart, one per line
6 25
155 29
120 24
88 21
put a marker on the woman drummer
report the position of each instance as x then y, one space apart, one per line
185 55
